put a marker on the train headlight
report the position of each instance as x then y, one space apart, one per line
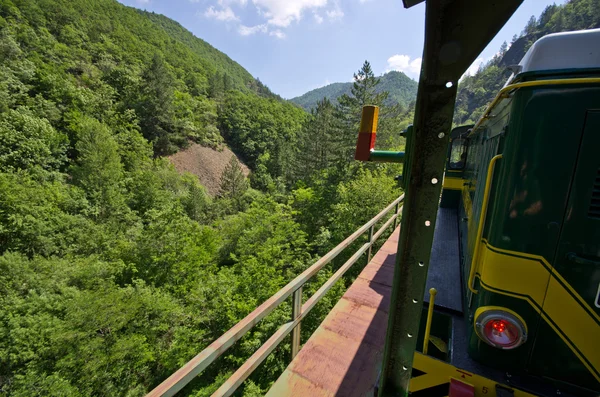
500 328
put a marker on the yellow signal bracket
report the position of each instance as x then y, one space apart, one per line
365 145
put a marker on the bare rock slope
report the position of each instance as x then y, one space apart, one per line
206 163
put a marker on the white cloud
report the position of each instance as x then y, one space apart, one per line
143 1
403 63
276 14
335 15
225 3
283 13
277 33
249 30
224 14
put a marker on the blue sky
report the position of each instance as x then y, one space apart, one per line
294 46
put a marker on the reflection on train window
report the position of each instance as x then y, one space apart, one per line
458 155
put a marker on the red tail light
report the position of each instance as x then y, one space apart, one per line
500 328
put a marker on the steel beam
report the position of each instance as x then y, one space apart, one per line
455 34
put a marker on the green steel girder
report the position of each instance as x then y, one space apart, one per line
455 34
385 156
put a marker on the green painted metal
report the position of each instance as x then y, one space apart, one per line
454 37
384 156
540 201
408 134
540 157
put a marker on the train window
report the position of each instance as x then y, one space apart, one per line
458 154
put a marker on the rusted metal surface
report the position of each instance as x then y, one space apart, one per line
343 357
195 366
259 356
455 33
382 230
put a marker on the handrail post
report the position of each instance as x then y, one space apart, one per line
371 231
296 311
396 216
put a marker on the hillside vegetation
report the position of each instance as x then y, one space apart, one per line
401 89
475 92
115 269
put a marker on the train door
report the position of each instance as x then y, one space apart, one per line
571 309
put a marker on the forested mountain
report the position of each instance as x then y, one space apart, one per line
402 90
475 92
115 269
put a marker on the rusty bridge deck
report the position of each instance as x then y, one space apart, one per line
343 357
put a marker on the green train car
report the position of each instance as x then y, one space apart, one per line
525 185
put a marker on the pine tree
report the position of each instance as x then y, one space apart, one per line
531 26
503 48
317 148
363 90
156 108
233 181
363 93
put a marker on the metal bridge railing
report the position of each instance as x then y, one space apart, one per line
195 366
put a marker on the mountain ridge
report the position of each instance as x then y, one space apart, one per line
401 88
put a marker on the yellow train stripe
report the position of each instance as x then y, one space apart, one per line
575 323
529 279
467 204
504 93
426 381
564 282
438 372
453 183
513 273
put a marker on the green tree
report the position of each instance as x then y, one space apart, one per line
156 107
363 90
233 181
30 143
98 169
350 109
317 147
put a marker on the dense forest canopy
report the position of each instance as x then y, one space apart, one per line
115 269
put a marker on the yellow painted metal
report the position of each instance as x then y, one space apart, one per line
546 264
467 204
439 343
368 120
538 83
437 372
484 205
531 278
432 293
453 183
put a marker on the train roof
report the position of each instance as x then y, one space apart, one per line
568 50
